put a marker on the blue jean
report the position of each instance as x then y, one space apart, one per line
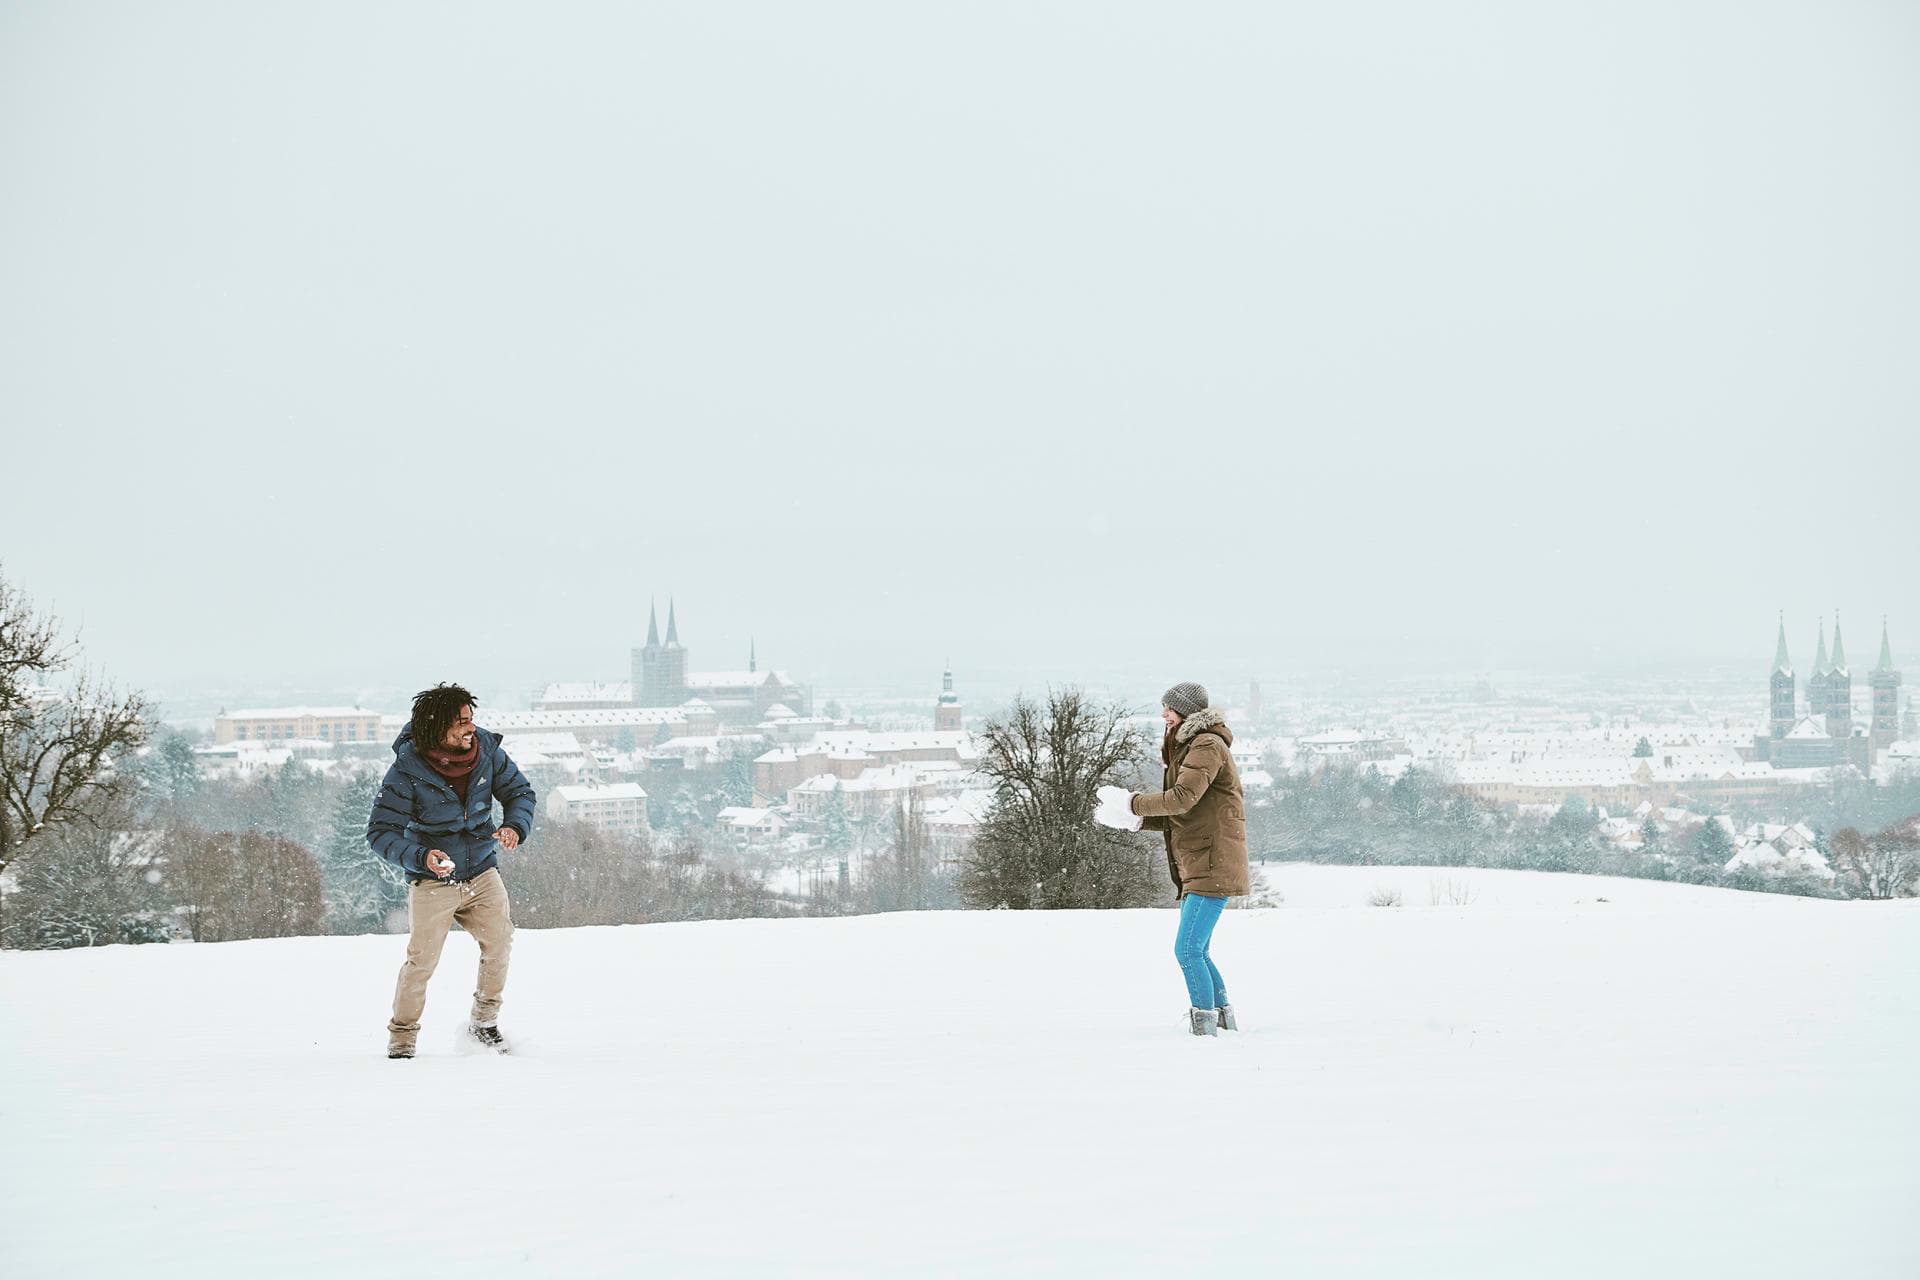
1198 914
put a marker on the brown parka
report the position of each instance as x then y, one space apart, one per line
1202 812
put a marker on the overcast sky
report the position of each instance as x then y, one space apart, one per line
349 343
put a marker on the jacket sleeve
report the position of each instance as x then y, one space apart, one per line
515 794
1197 772
387 824
1154 824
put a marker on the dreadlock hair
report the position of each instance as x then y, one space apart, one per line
435 710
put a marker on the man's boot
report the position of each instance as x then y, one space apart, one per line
487 1035
1227 1021
1203 1022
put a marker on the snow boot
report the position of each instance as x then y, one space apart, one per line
1203 1022
399 1048
487 1035
1227 1021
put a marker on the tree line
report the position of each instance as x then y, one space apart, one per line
109 833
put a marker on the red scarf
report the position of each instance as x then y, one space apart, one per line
455 766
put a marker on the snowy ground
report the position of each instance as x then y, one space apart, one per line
1672 1082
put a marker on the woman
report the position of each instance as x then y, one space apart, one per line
1203 815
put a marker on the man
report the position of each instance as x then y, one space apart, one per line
434 819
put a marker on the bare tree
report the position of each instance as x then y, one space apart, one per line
1038 847
901 878
242 884
29 647
1885 865
578 874
58 750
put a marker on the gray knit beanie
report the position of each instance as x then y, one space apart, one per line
1185 698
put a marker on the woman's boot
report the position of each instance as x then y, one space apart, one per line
1203 1022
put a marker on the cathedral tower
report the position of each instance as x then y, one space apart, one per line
660 670
1839 688
946 712
646 662
1886 697
1780 719
1817 681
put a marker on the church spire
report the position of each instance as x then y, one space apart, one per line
1886 649
673 625
1820 658
653 626
1780 660
1839 645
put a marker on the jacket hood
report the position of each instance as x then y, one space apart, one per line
1206 720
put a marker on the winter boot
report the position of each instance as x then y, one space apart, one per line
1227 1021
1203 1022
399 1048
487 1035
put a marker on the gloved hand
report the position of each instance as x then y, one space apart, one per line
1116 809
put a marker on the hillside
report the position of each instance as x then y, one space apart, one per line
1671 1081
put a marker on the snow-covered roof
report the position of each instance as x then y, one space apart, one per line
741 816
611 691
887 778
967 809
1615 772
551 745
1775 859
296 713
1341 737
506 722
615 791
877 742
734 679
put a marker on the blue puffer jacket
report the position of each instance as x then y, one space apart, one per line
418 810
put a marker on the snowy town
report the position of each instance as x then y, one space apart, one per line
743 761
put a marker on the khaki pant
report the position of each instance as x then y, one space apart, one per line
481 908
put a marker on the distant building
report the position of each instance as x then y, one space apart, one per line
552 759
627 728
875 794
583 697
953 822
1825 735
846 755
748 828
1621 783
1351 746
661 679
620 808
286 724
946 712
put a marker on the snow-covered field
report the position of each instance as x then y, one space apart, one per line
1671 1081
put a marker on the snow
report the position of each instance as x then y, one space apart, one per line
609 791
557 695
297 713
1565 1076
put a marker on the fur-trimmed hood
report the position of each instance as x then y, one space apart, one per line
1202 720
